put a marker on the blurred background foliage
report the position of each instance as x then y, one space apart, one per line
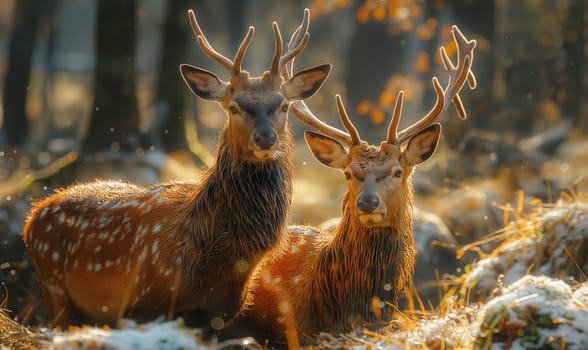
91 89
96 76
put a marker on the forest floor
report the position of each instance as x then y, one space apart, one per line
526 289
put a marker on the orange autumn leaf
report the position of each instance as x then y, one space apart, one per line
379 14
446 33
425 32
377 116
407 25
363 14
386 98
364 107
342 3
422 64
432 23
393 8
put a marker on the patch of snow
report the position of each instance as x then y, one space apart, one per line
533 312
156 335
551 245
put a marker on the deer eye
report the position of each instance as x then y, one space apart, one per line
398 173
233 109
284 108
347 175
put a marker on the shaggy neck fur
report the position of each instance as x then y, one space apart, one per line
242 210
362 263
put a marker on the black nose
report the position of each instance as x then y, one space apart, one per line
265 139
368 202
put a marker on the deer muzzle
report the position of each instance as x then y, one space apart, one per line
264 142
369 208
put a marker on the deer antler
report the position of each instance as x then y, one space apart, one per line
457 78
297 43
353 133
299 108
233 66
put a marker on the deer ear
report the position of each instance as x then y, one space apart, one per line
326 150
203 83
306 83
422 145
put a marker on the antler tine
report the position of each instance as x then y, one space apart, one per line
296 38
206 47
393 127
241 51
353 133
278 52
428 119
298 41
458 74
288 69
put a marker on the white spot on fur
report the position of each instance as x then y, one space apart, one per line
143 255
55 256
154 247
156 228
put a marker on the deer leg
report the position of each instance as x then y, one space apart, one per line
62 311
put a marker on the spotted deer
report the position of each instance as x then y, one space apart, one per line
352 277
107 249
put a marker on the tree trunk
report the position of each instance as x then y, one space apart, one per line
114 121
16 83
574 34
171 90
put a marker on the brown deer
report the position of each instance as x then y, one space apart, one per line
107 249
352 277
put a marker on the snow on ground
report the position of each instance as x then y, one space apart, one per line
551 242
150 336
535 312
